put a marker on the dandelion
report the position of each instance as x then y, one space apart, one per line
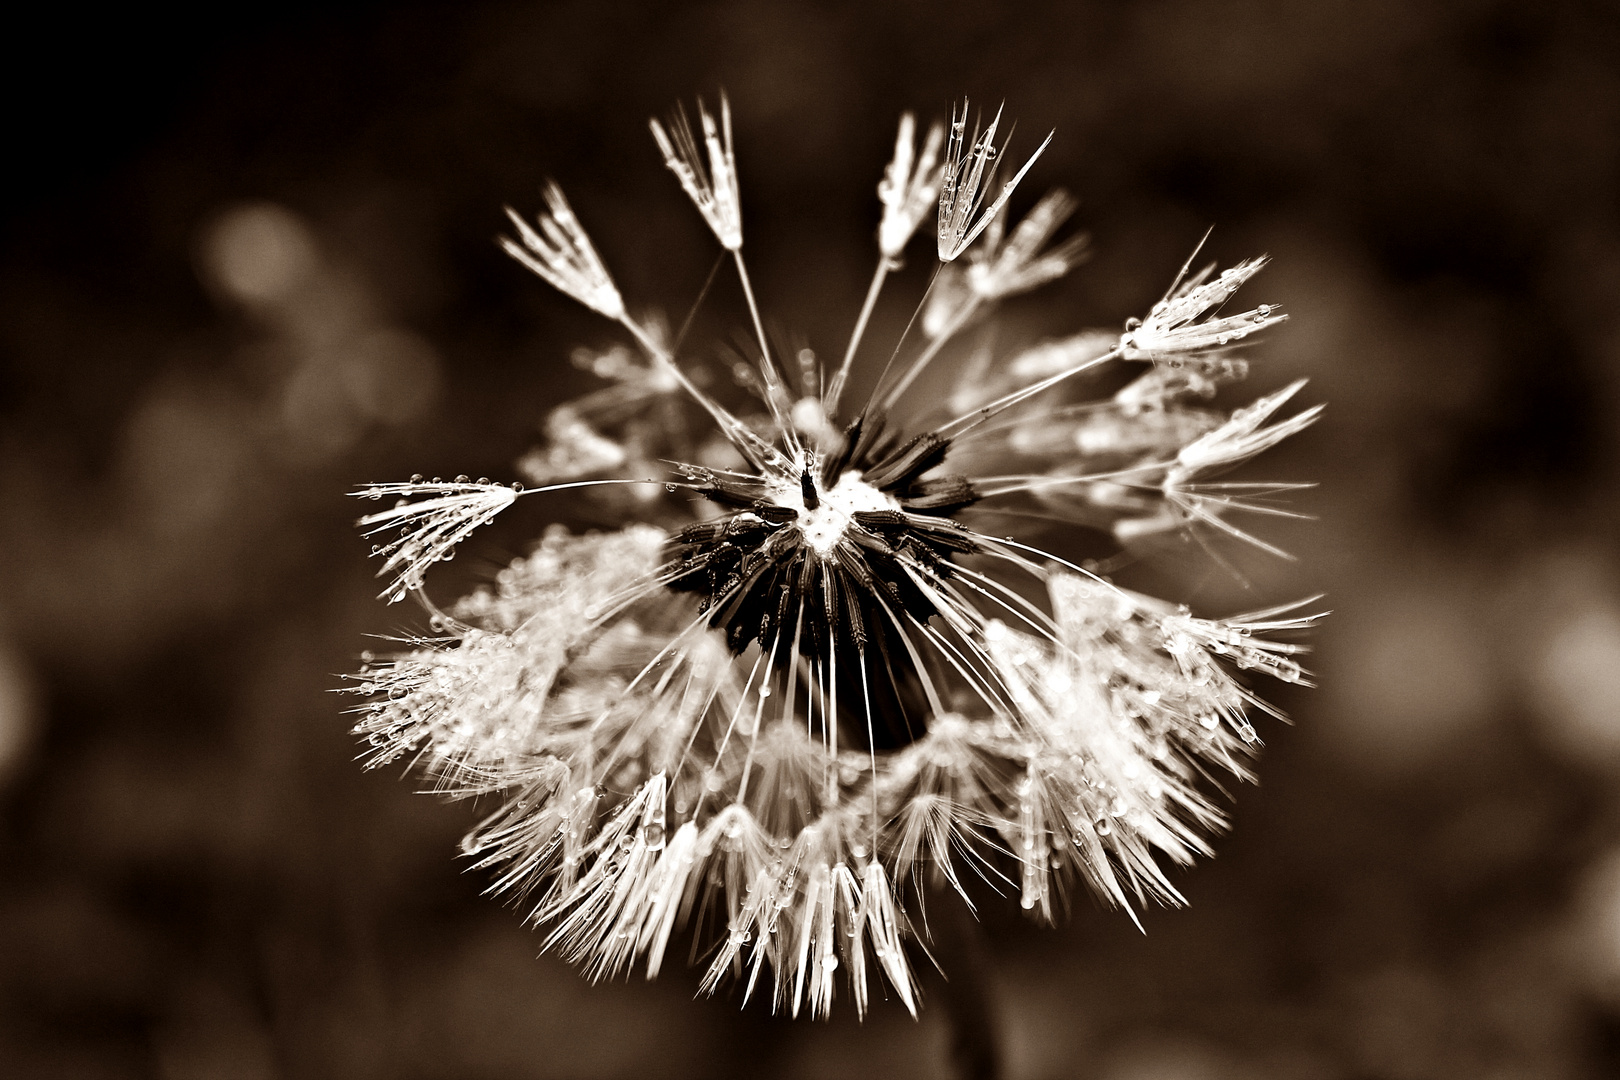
827 662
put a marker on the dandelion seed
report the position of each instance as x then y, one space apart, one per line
563 256
971 164
910 185
817 671
713 191
430 528
1176 326
1018 264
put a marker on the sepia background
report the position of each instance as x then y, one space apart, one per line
246 265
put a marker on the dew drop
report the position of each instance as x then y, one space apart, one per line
436 480
1104 826
653 834
1028 901
463 478
829 963
416 478
374 496
483 481
517 485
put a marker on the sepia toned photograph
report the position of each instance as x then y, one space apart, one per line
811 540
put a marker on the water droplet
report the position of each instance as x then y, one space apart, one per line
653 834
1263 310
374 496
627 843
463 478
1133 324
416 478
367 656
517 485
1104 826
436 480
483 481
1028 901
1222 339
829 963
437 622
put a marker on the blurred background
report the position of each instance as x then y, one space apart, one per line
246 265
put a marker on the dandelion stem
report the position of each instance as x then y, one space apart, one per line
835 391
971 420
746 442
916 312
958 320
773 382
703 293
975 1050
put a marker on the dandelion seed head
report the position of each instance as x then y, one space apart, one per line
813 672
